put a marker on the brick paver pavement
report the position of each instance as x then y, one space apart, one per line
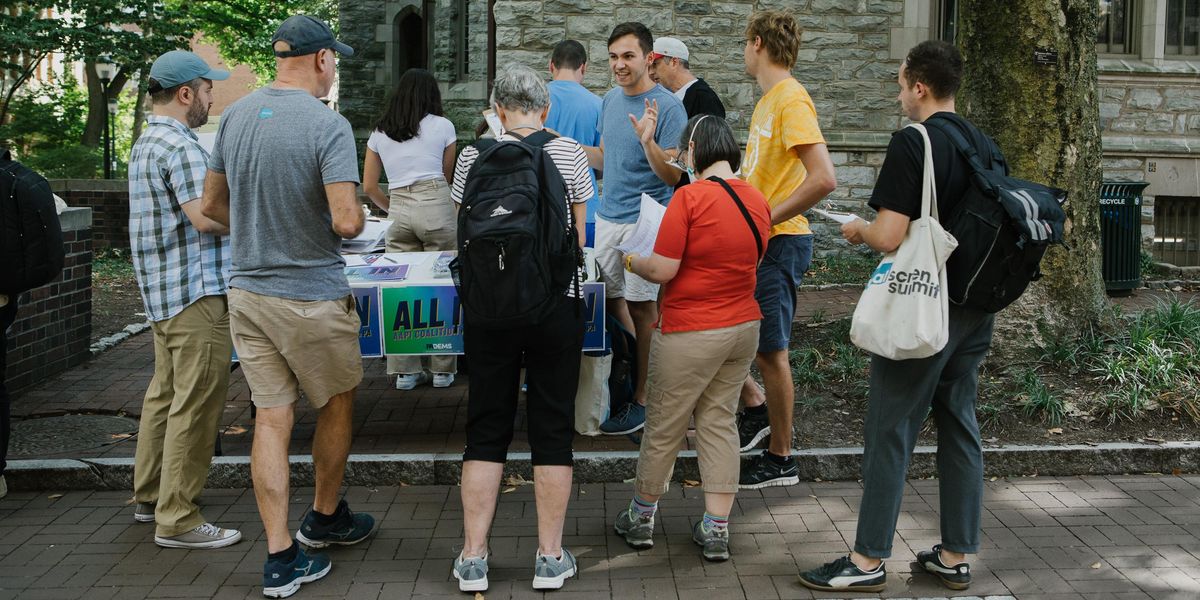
1091 538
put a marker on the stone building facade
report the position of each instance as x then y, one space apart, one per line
849 58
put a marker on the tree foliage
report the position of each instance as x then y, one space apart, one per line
242 29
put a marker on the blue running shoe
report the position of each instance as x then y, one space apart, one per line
629 419
281 579
347 529
549 573
471 573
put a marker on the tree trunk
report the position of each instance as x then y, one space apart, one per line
93 131
139 111
1045 117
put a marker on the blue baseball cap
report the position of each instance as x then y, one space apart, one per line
178 67
306 35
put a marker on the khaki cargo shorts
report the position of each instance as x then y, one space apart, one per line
286 346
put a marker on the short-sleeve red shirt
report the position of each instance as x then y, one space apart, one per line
704 229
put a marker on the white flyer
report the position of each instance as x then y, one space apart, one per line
842 218
645 232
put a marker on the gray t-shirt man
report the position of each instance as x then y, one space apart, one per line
278 148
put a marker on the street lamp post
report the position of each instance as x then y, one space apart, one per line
106 70
112 136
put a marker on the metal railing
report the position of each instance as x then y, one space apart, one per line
1177 230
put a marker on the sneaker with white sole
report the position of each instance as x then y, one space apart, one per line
408 381
629 419
143 512
842 575
281 579
714 542
549 572
443 380
955 577
3 486
471 573
637 530
764 472
752 429
348 528
205 536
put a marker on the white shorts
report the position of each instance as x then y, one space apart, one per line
619 283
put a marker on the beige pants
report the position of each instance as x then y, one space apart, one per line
700 374
181 411
423 220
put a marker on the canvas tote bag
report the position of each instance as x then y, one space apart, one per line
903 312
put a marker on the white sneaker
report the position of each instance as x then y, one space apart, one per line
443 380
3 486
206 535
408 381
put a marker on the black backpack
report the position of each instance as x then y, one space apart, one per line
31 241
517 247
1003 226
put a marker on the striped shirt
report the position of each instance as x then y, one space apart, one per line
175 264
566 154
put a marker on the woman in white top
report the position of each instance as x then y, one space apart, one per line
414 144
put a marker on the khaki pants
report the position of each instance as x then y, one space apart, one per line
700 374
181 411
423 220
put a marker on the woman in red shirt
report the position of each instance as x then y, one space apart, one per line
709 244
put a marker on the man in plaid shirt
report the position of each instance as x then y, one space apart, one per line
181 258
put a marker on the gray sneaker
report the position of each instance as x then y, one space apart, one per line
715 543
471 573
549 573
637 531
143 512
206 535
3 486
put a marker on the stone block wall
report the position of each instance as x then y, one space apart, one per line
53 329
109 201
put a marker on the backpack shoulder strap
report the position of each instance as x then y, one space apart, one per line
960 143
539 138
745 213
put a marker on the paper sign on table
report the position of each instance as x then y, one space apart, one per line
646 230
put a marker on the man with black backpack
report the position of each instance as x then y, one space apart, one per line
903 392
31 255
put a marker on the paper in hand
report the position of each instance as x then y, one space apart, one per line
842 218
645 232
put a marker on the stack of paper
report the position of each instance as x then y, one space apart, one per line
645 232
372 239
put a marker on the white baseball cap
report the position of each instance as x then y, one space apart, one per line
669 47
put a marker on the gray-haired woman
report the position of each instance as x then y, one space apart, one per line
550 352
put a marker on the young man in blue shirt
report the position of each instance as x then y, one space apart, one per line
574 110
627 110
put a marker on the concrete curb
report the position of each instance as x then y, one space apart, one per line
109 342
829 464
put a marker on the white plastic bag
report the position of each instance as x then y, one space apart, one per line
903 312
592 399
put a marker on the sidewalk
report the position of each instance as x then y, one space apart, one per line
1092 538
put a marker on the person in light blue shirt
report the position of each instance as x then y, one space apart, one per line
574 111
640 126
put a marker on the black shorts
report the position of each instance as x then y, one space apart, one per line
550 353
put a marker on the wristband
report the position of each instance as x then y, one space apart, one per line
629 262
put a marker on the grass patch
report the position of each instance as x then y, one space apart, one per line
845 267
111 265
1037 401
1148 361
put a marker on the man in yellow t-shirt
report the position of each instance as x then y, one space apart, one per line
786 159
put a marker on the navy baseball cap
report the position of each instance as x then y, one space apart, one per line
306 35
178 67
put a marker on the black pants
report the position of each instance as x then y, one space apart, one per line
551 354
8 314
902 393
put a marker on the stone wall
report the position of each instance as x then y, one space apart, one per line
54 322
109 201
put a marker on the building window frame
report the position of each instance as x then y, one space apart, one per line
1182 11
1129 27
